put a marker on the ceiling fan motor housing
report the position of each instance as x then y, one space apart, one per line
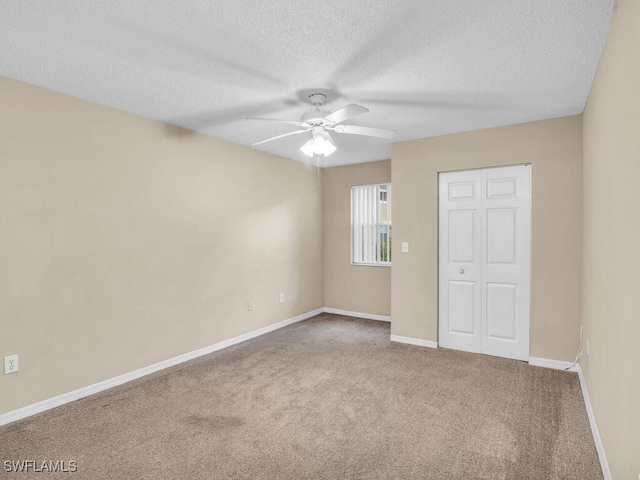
317 99
314 118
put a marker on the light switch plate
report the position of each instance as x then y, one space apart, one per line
405 247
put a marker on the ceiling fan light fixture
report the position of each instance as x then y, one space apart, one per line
307 148
319 144
327 145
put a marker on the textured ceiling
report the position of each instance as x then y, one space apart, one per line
422 67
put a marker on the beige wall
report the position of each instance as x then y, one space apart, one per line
611 282
126 242
554 148
350 287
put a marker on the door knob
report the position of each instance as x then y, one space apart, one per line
461 270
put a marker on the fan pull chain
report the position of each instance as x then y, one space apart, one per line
318 159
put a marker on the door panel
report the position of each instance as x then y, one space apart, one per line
461 301
501 309
502 187
501 235
460 255
462 190
461 239
484 261
506 252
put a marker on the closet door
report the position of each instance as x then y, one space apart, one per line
506 258
460 289
484 261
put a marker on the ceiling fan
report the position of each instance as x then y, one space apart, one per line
321 122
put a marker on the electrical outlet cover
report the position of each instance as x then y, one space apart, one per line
11 364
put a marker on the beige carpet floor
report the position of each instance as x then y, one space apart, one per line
328 398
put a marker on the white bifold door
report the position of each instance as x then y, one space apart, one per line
485 261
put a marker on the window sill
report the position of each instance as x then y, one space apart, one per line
371 264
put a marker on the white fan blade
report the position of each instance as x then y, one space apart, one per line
290 122
345 113
280 136
368 131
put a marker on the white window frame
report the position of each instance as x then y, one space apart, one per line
369 218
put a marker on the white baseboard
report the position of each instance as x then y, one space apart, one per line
554 364
414 341
349 313
560 365
53 402
594 427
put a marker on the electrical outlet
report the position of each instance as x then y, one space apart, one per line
282 298
581 332
587 349
11 364
250 305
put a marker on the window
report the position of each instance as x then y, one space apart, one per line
383 194
371 224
